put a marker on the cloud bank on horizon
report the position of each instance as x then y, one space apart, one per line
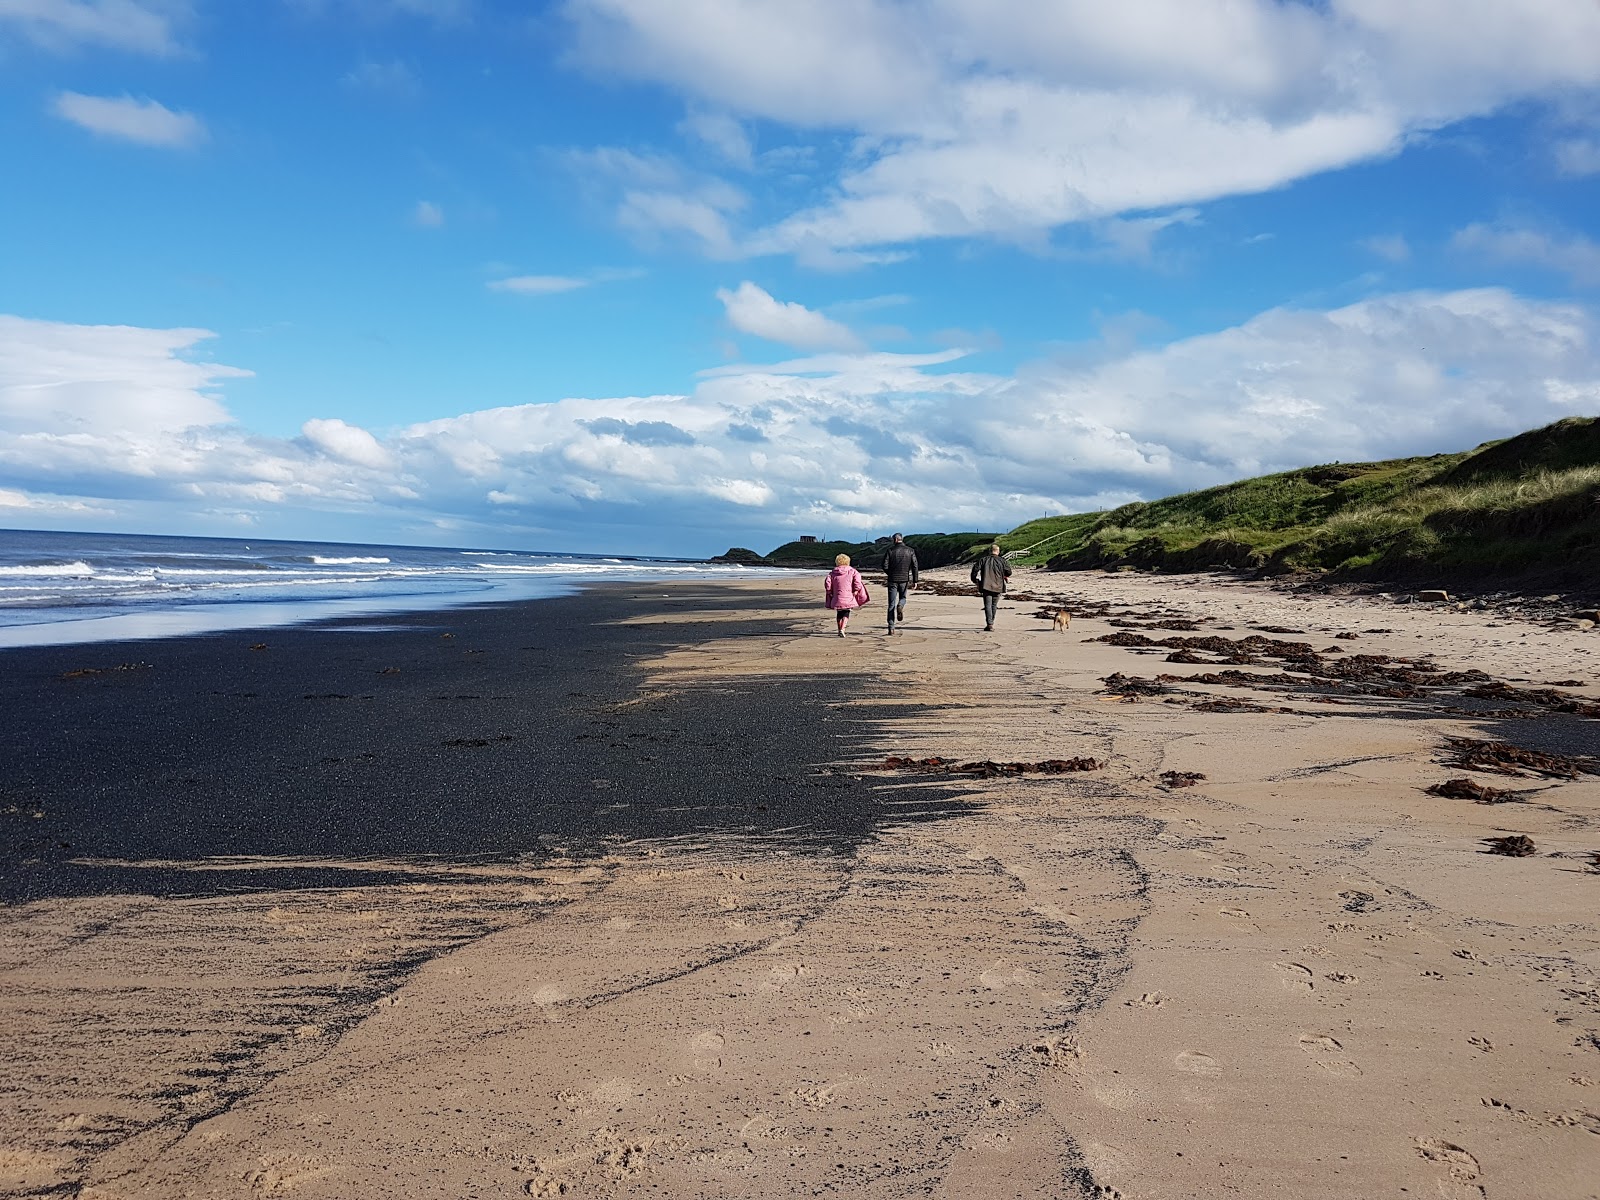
829 268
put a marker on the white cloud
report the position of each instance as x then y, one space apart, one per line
144 121
427 215
1573 255
347 443
141 26
1011 117
1391 247
752 310
832 442
19 504
537 285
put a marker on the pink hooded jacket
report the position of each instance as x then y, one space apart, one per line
844 589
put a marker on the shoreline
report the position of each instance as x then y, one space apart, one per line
1293 974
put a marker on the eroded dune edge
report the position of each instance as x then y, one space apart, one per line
1247 955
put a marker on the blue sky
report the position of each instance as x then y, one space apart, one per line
643 277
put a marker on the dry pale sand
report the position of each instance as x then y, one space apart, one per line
1298 977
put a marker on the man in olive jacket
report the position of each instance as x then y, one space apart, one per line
900 565
990 574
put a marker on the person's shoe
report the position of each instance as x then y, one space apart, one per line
899 612
988 628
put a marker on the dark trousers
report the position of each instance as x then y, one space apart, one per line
991 602
897 598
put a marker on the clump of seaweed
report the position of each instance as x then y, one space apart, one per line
1547 697
1502 758
1517 845
1470 789
1118 684
1181 779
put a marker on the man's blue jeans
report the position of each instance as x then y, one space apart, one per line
897 598
991 601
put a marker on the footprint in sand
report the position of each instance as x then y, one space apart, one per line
706 1049
1482 1044
1147 1000
279 1175
997 978
1197 1062
1233 912
1328 1054
547 1185
1296 977
1060 1051
1463 1167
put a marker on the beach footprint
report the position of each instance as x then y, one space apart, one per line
1463 1167
1061 1051
705 1048
1197 1062
1295 977
1328 1054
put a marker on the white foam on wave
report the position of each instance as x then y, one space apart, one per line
344 562
78 569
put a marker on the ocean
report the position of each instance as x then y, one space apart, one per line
64 588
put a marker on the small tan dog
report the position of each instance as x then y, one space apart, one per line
1061 620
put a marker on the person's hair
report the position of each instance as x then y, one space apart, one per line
899 537
995 548
841 560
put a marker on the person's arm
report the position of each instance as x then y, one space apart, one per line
913 567
1005 566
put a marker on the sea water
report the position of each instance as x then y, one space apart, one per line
61 588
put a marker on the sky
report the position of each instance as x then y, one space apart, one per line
642 277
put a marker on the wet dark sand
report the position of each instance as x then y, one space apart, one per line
499 733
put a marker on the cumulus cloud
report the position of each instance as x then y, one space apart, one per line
836 441
750 309
1573 255
140 26
146 122
1009 117
347 443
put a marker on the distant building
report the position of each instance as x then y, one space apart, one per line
806 537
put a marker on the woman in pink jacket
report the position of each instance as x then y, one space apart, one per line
843 590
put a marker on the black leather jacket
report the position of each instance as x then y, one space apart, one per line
900 564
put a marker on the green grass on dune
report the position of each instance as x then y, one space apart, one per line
1529 504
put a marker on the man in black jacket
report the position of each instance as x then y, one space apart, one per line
900 565
990 574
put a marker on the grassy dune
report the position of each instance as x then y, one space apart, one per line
1526 505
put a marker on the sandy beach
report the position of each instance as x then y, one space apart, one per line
670 892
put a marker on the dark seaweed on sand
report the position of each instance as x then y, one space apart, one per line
1470 789
1517 845
1502 758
